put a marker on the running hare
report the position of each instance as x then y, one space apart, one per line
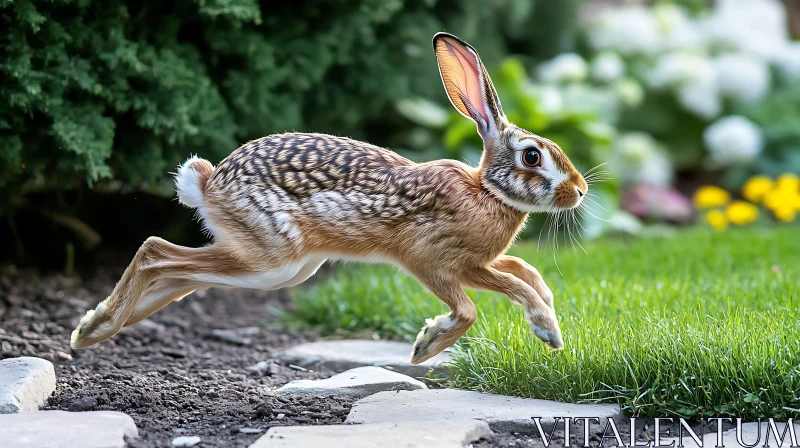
280 206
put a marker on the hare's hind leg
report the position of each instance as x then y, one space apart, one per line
443 331
156 259
165 291
160 294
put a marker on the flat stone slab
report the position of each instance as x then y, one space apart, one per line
502 413
185 441
347 354
25 384
354 383
448 434
61 429
750 436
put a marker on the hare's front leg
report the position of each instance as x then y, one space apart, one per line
522 270
541 317
443 331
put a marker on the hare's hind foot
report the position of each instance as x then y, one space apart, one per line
94 327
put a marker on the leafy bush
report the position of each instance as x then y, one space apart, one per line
124 90
778 116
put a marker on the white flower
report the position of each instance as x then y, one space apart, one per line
551 101
751 26
742 77
694 78
680 67
677 29
788 62
585 98
630 92
731 140
629 30
637 158
563 68
700 99
607 67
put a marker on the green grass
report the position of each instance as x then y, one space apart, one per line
693 324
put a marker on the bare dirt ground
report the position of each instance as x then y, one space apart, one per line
171 373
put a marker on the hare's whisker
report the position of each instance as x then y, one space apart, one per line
539 241
595 216
598 173
598 178
579 224
592 169
596 203
570 223
578 219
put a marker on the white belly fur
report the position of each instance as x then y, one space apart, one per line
264 280
279 277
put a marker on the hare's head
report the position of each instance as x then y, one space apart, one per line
527 172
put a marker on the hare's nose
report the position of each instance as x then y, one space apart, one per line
580 192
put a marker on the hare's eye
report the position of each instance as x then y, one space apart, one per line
532 157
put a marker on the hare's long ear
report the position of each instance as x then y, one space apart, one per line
468 85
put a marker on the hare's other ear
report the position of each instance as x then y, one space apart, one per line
467 84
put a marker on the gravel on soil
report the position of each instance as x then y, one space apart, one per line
171 373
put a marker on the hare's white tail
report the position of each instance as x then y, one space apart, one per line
191 181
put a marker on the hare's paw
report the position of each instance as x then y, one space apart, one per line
429 342
545 326
92 327
551 338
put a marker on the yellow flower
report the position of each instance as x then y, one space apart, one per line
741 212
710 196
756 187
782 198
717 220
788 182
785 214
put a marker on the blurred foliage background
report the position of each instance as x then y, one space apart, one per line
101 100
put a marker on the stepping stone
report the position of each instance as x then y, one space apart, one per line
355 383
347 354
502 413
185 441
60 429
237 336
448 434
749 434
25 384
